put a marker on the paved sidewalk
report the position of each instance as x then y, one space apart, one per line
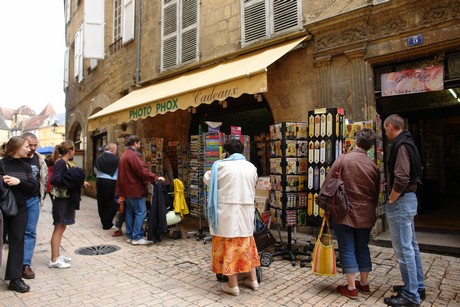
177 273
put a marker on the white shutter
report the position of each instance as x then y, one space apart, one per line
285 15
93 44
189 39
66 68
169 34
77 54
67 10
255 17
128 20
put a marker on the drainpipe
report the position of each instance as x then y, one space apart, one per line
138 61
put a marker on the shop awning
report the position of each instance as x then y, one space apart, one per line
232 78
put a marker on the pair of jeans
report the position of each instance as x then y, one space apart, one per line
30 236
135 212
400 217
353 248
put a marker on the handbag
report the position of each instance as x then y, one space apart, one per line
60 192
8 203
323 259
262 235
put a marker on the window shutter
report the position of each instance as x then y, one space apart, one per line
128 20
66 68
67 10
285 15
93 45
255 20
78 55
189 50
169 29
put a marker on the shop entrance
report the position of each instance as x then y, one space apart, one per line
434 120
252 115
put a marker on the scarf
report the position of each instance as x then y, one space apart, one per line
107 163
213 188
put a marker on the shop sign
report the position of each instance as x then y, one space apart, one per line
419 80
109 121
159 108
212 94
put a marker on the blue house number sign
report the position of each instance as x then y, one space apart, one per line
415 40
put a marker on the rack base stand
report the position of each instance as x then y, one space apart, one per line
290 254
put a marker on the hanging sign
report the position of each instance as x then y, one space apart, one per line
419 80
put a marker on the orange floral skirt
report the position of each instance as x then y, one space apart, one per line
234 255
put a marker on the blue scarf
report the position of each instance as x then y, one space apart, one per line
213 188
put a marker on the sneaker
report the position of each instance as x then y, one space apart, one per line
141 242
398 301
363 289
353 294
234 290
117 233
129 240
421 292
251 284
65 259
58 264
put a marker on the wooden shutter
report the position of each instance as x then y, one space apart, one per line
78 56
67 10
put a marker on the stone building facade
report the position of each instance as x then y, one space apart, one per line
347 45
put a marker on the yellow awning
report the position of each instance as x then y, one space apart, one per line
232 78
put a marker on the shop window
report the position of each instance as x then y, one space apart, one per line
179 32
264 19
453 66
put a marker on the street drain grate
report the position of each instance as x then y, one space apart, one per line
97 250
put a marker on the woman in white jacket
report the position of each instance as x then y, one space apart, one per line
232 183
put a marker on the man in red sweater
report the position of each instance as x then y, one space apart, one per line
133 178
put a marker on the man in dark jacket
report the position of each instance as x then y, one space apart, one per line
106 169
133 179
405 173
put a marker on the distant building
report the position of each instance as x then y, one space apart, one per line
24 119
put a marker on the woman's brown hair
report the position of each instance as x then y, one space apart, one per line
62 149
13 146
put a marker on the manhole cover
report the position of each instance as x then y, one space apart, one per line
97 250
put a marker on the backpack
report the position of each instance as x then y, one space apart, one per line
332 197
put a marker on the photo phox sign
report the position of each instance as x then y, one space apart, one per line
418 80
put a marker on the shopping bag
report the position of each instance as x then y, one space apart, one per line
323 259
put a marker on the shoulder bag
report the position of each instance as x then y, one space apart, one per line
8 203
323 259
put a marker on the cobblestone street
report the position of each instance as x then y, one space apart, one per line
177 273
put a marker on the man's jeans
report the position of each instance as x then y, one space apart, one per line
30 236
135 210
400 217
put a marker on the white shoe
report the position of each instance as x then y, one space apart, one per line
251 284
129 240
234 290
141 242
65 259
58 264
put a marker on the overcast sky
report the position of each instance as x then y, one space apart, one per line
32 54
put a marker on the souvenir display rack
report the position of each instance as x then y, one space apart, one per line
288 170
